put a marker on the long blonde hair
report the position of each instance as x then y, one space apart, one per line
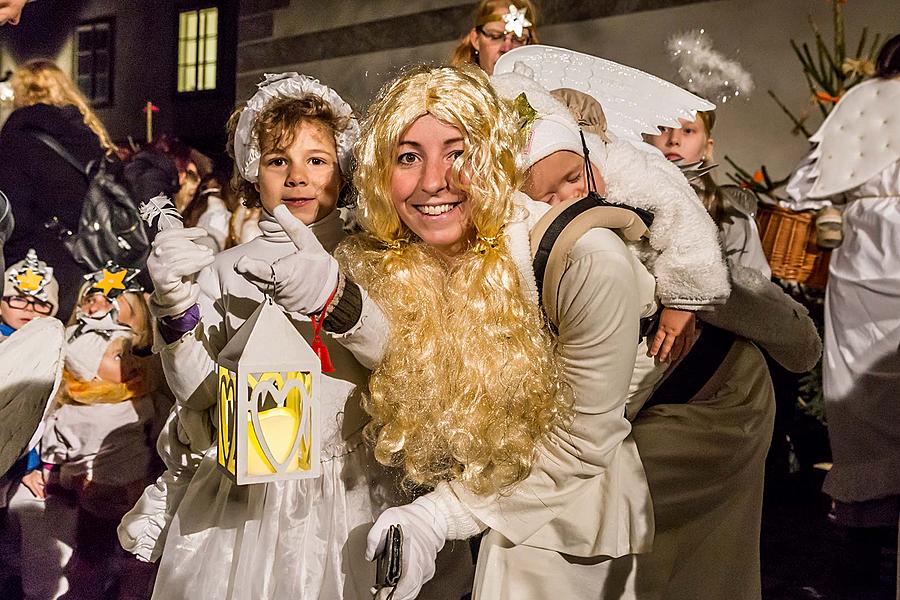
465 53
470 382
40 81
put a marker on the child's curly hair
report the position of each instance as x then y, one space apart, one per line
275 128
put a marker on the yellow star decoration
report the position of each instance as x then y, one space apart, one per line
29 281
111 281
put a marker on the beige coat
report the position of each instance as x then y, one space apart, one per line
705 462
587 494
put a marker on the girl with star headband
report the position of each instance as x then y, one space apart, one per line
500 26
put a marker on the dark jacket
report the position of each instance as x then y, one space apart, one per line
41 185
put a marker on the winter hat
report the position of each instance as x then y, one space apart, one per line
84 352
32 277
555 119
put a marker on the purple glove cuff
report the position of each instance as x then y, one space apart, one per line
172 328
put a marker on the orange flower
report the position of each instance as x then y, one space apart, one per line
758 177
824 97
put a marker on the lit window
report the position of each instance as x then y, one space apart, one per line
93 61
197 49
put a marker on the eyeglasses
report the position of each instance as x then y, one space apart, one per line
499 36
22 303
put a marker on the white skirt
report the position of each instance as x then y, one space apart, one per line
292 539
861 365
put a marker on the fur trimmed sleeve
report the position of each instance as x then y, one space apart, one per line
684 252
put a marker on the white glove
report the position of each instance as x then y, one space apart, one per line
173 265
424 532
304 279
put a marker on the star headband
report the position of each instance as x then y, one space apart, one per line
289 85
32 277
112 280
515 21
105 326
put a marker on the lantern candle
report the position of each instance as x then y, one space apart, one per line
268 381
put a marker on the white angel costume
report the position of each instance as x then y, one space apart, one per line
856 163
31 362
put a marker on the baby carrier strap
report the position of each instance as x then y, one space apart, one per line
555 234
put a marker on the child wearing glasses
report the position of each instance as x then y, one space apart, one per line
29 292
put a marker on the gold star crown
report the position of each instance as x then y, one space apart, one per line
32 277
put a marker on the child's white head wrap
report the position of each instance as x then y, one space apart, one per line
85 352
289 85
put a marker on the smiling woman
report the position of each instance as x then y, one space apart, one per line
424 190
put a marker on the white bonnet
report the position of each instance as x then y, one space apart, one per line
289 85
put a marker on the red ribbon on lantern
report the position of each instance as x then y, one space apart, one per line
318 345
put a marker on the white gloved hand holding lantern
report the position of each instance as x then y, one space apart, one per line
303 280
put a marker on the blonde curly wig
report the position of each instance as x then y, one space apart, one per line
470 382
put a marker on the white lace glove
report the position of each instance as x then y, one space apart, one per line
304 279
426 523
173 265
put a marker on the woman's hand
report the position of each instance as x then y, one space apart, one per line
305 279
424 529
675 335
173 264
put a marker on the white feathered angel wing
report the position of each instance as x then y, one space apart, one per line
859 139
633 101
31 362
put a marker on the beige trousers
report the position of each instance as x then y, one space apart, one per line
705 463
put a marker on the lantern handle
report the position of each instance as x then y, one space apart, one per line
271 296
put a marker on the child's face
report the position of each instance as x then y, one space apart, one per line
19 310
560 177
305 176
97 305
118 364
690 143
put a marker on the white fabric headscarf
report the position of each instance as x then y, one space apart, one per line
85 352
289 85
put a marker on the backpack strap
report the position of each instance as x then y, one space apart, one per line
555 234
54 145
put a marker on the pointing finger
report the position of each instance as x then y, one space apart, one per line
300 234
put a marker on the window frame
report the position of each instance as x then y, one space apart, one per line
196 7
110 22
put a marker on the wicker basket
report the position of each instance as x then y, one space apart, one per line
789 241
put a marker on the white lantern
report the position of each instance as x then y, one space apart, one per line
268 386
